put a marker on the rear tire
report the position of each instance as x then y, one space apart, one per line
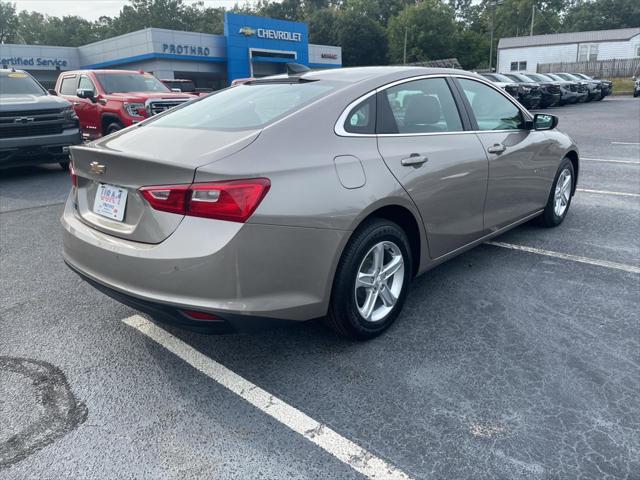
371 281
560 196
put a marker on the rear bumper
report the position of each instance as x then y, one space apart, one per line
37 149
235 271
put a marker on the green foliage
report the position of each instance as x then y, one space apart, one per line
430 29
585 15
370 32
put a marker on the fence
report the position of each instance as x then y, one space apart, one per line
617 67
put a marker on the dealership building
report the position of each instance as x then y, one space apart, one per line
250 47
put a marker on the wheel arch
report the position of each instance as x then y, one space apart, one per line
107 119
572 155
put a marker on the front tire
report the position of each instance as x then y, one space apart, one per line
560 196
112 128
371 281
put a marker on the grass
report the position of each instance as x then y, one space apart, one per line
623 85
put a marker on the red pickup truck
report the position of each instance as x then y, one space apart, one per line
108 100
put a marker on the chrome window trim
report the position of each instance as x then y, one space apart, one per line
341 132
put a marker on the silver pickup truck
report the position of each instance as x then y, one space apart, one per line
35 127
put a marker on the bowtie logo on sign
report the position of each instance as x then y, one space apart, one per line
271 34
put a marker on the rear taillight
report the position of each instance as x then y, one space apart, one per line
233 200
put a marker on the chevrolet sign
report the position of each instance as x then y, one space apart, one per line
271 34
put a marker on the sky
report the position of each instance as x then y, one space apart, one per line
94 9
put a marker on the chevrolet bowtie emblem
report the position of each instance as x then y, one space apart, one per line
96 167
247 31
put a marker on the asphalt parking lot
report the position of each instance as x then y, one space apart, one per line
506 364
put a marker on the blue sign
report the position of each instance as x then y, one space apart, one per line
265 39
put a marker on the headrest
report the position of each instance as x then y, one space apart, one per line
422 110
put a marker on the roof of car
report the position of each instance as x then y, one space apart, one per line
358 74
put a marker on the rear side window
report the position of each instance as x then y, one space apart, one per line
68 86
245 107
419 106
362 118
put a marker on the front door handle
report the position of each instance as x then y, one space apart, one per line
496 148
414 160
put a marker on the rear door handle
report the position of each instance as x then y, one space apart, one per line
496 148
414 160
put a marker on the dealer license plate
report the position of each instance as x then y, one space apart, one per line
110 201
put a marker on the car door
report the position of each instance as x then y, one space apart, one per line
521 160
88 110
422 139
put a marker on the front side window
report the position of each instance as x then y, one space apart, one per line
130 82
86 84
245 107
490 108
419 106
68 85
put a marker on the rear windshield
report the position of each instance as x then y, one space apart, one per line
183 86
245 107
130 82
18 83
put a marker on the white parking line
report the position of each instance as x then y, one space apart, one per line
625 143
567 256
607 192
608 160
332 442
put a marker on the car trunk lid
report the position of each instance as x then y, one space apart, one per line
144 156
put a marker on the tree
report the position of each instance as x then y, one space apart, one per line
430 32
8 22
584 15
363 41
322 26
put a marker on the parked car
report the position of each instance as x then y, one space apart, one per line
566 94
606 86
549 91
527 95
309 195
577 86
35 127
636 86
594 90
109 100
185 86
509 86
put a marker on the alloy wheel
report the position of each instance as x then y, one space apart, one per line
379 281
562 193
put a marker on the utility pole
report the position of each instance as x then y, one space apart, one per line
404 53
533 16
493 22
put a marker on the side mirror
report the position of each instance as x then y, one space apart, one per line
52 91
544 121
86 93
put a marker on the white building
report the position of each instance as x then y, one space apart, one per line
525 53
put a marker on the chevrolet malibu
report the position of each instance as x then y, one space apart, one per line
320 194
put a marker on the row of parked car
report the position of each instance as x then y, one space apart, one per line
537 90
